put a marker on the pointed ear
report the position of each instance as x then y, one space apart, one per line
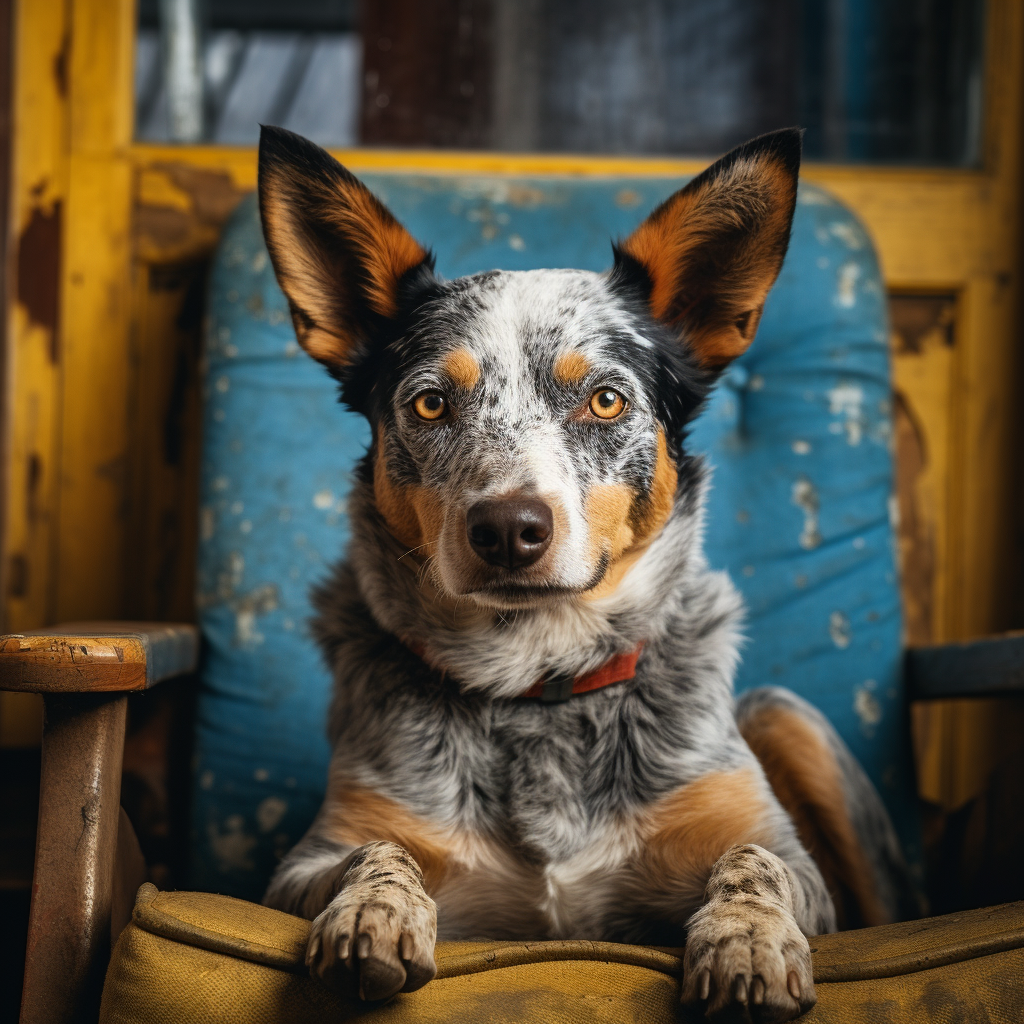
339 255
710 253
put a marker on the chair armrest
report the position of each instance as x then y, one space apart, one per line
989 667
97 657
88 864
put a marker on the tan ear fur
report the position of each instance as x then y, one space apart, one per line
338 252
713 250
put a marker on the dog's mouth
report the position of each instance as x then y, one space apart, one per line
510 593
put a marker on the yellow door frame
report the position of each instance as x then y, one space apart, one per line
92 209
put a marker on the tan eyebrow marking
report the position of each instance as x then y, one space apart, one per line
462 368
571 367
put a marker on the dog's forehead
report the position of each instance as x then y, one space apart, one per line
538 313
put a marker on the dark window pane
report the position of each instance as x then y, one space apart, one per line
870 80
268 15
892 82
296 63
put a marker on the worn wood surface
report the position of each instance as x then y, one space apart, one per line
72 664
128 875
991 666
38 201
96 657
924 341
76 848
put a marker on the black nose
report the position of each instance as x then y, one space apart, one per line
510 532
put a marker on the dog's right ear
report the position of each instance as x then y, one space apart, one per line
339 255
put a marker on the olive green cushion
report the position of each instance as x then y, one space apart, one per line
194 957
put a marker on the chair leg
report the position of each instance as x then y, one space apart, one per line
76 845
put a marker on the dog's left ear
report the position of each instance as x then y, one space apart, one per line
340 256
709 255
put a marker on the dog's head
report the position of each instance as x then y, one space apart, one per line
527 426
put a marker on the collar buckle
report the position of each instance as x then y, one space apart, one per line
557 689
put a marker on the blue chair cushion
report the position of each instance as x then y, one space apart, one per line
798 433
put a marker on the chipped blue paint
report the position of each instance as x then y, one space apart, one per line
799 434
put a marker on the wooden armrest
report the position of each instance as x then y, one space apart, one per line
989 667
97 657
88 863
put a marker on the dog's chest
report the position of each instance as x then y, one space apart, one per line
496 891
544 781
543 834
540 808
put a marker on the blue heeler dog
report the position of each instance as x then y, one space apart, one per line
533 724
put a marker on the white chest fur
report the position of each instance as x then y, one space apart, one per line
493 892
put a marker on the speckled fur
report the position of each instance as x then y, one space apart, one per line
536 820
379 915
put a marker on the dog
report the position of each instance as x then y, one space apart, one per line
533 723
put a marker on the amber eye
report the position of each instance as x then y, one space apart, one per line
431 405
607 404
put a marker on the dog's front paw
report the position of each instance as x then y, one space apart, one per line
747 960
379 930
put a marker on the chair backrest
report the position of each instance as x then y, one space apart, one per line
799 434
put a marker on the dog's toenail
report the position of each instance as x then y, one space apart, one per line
739 989
793 982
363 944
757 991
705 985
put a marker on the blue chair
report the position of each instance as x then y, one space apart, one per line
798 432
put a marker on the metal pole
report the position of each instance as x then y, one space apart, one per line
180 30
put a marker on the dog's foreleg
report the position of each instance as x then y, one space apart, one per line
371 915
746 947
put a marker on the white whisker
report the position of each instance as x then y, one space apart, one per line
411 550
424 572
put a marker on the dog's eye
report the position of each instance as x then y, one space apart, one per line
607 404
431 405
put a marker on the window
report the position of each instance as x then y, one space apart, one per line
871 80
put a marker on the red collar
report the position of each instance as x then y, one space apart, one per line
558 689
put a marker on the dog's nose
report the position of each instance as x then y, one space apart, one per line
510 532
